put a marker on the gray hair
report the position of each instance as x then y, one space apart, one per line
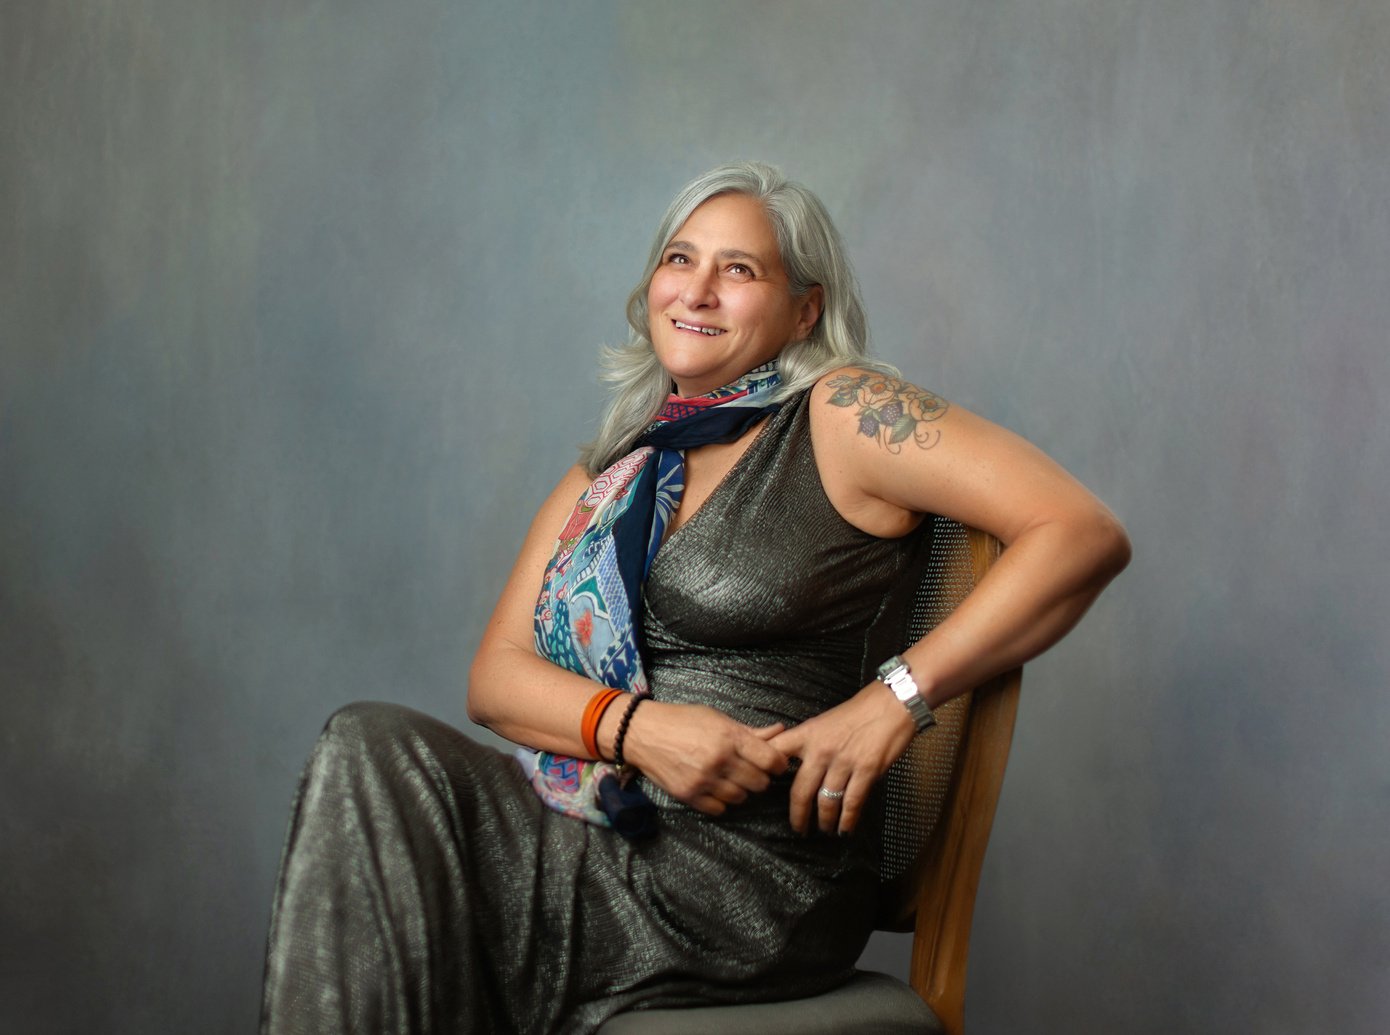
811 253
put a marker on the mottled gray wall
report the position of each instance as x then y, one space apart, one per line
299 310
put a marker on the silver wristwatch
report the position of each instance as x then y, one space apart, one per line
898 677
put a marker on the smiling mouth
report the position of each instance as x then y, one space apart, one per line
709 331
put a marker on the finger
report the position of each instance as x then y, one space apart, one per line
803 797
768 732
788 742
852 804
750 777
720 785
708 804
729 792
829 806
786 738
763 755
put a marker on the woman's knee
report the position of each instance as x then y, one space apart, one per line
362 734
366 721
384 733
383 737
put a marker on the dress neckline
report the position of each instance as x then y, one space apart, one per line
784 413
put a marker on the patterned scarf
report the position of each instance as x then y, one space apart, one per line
589 614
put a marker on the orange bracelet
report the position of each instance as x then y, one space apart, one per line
593 713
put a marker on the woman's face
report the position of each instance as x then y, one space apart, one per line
720 302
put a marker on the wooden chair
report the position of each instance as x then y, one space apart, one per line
940 801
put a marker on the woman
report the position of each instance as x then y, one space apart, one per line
432 884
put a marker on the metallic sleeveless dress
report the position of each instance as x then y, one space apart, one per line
424 887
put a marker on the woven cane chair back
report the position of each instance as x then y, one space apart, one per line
941 794
917 785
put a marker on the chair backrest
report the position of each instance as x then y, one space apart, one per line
941 795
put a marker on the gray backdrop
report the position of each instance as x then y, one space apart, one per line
300 309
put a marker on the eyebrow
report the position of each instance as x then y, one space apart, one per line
726 253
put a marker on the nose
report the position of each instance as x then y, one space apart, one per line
697 292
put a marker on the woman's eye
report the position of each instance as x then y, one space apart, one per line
739 269
677 258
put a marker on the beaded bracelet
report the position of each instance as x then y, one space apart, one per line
593 713
622 728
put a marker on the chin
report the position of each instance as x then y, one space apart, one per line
686 373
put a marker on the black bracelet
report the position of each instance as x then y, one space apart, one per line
622 728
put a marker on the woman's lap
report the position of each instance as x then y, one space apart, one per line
425 888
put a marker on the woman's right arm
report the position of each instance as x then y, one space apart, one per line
697 754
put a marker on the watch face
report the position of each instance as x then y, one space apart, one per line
891 666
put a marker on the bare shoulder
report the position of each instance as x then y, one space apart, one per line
574 482
551 520
889 412
511 619
560 504
861 420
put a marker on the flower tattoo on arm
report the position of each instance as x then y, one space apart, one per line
890 409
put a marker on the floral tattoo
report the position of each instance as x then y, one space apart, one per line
890 409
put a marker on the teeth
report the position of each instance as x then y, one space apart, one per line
711 331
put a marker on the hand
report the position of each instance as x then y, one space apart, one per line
845 748
700 756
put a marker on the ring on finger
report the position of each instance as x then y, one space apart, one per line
829 795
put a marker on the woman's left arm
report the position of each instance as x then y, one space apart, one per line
889 452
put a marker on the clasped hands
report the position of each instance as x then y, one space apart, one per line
709 761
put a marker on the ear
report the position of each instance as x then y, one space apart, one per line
811 305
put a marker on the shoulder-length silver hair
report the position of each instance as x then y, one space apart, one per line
811 253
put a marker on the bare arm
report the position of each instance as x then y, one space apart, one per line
698 754
888 451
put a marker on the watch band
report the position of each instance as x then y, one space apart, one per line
895 674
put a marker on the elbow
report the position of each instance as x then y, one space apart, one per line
1087 540
475 697
490 698
1112 548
